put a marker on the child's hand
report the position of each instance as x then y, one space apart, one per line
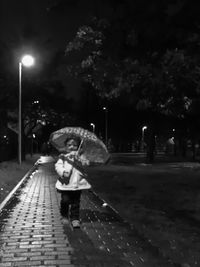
85 162
65 174
72 155
81 160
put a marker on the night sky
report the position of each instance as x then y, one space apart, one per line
45 27
42 28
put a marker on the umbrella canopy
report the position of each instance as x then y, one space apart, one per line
91 146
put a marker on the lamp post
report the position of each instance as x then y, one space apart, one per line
93 127
26 61
142 143
106 125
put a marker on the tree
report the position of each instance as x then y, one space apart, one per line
119 57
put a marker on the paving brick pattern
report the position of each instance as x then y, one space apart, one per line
32 233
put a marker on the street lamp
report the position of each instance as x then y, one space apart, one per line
106 125
93 127
142 143
26 61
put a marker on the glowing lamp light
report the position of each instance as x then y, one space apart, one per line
27 60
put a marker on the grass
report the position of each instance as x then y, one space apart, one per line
161 201
11 173
160 188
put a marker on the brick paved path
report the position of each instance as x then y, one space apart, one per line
32 233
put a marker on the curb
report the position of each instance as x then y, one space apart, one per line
13 191
109 207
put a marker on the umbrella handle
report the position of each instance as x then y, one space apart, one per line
79 148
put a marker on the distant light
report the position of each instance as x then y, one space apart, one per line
173 130
33 135
27 60
4 136
92 124
144 128
104 108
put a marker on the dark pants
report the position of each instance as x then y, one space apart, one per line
70 204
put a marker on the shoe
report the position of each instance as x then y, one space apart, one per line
65 221
76 224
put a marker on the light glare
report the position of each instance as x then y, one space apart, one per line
27 60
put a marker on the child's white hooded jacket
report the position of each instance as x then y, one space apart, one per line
73 168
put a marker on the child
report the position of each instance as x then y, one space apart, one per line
71 181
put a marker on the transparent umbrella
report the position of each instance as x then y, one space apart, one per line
91 146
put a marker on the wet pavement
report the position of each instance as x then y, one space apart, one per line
32 233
